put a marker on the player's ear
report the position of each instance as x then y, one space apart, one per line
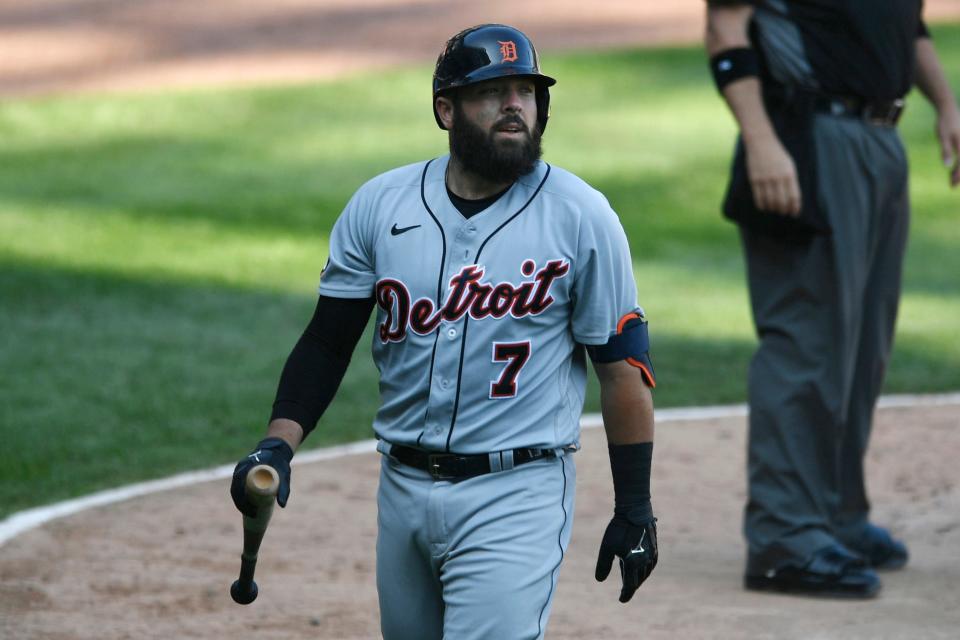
444 107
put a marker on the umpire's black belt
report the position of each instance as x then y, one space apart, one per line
884 113
452 466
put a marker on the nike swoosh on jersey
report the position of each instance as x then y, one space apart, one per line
395 231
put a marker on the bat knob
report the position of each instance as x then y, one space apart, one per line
241 595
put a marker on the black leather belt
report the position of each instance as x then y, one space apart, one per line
883 113
452 466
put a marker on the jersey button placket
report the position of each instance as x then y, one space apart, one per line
447 357
441 387
464 242
467 235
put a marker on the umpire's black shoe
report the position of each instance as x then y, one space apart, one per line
880 549
832 572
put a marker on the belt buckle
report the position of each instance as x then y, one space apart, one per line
433 466
890 116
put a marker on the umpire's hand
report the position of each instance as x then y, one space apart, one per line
271 451
635 546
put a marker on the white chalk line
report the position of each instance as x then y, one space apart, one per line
31 518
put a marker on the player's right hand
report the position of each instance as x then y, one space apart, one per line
635 546
270 451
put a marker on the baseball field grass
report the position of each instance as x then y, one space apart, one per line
159 253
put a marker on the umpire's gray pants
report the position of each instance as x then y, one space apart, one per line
824 310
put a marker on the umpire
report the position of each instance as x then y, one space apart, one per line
819 189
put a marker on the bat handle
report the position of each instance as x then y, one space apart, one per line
261 487
244 590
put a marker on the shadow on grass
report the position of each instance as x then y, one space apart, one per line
109 380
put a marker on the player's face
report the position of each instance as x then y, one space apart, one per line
495 132
506 108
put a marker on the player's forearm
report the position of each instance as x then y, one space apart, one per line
626 404
627 407
287 430
316 365
930 78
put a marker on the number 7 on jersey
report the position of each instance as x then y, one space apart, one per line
515 354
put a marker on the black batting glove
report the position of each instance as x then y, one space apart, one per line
271 451
635 546
631 535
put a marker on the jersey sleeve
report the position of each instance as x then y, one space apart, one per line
604 290
350 270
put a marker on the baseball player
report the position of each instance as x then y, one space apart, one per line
494 275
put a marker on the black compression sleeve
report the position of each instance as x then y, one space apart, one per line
318 361
630 464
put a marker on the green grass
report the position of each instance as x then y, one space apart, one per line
159 253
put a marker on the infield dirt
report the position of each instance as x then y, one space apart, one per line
161 566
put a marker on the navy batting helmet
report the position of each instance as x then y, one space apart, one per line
490 51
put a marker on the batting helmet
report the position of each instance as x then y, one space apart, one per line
490 51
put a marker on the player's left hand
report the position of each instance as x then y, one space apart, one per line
635 546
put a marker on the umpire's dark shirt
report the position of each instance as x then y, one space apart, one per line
862 48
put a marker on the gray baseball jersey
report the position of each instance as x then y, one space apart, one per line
479 319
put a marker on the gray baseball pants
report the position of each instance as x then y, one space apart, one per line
472 559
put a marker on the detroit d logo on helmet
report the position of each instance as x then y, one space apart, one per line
508 51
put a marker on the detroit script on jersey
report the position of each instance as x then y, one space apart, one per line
467 294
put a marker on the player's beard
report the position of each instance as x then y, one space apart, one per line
495 161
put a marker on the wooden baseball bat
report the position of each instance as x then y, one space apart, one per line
261 485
